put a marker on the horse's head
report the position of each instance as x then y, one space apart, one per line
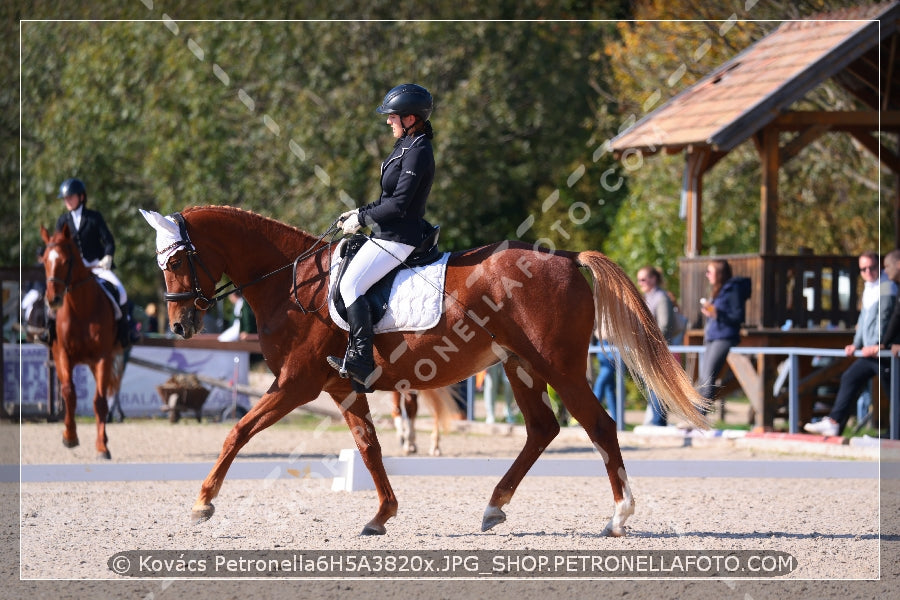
190 284
62 264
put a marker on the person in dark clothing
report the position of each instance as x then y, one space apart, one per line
725 313
396 219
97 246
876 329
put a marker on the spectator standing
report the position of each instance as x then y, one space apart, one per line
724 312
662 308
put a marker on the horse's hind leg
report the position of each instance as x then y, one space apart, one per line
103 376
601 429
404 412
411 404
357 415
540 427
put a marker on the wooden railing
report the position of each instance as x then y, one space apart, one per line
812 291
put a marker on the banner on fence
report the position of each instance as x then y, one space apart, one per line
138 396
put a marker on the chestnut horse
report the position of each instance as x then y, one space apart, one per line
85 332
531 308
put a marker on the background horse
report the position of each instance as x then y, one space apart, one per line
530 308
85 332
405 408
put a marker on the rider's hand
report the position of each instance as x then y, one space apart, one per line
346 215
352 224
106 262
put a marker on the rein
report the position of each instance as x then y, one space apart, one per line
221 292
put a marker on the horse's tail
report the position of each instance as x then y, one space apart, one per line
442 404
622 314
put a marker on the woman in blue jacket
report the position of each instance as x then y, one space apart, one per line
725 313
396 218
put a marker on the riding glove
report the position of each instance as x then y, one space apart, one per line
106 262
352 224
345 215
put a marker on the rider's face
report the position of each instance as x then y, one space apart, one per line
72 201
397 124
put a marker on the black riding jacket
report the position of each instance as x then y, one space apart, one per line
93 238
406 178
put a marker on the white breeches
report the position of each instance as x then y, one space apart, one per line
374 260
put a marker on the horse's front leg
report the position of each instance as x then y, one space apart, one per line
69 398
274 405
356 414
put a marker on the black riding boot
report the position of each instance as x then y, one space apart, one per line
359 363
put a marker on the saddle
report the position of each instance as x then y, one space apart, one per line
378 295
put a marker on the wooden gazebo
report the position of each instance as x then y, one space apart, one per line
750 97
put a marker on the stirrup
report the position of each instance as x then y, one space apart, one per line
338 365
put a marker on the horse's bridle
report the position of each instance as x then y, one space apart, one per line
196 294
67 282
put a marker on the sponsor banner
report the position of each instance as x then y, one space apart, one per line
138 396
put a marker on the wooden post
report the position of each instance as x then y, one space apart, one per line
768 212
695 165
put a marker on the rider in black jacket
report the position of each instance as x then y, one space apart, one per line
396 218
96 243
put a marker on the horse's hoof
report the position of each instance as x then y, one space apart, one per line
614 531
492 516
105 455
203 513
435 451
70 443
371 529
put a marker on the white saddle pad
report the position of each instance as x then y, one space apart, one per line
416 301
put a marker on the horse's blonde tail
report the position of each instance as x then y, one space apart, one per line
442 404
622 314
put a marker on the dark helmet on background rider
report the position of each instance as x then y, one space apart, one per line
72 186
407 99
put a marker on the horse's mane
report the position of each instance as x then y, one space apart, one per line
272 228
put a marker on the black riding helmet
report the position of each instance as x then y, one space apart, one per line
72 186
407 99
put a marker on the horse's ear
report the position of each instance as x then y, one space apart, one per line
45 235
65 230
160 223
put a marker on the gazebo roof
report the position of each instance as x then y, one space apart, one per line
749 91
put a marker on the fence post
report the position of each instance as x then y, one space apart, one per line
894 432
794 394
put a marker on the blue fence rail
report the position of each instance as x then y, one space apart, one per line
792 356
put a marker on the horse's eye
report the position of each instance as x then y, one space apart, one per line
175 264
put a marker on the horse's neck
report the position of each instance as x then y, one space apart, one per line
255 250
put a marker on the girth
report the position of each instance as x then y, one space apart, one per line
378 295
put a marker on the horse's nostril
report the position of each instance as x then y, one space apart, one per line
178 329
